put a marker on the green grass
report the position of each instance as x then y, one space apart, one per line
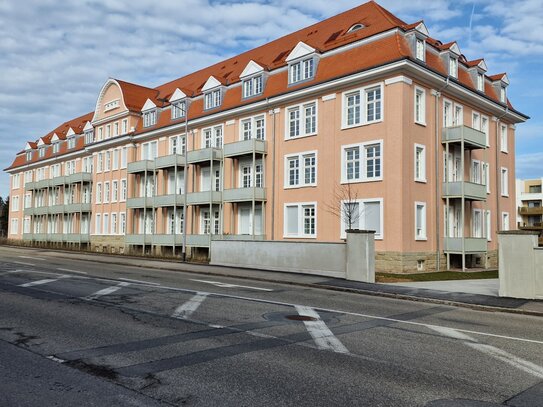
440 276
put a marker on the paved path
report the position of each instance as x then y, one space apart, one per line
488 286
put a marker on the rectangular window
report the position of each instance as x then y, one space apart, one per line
178 145
486 176
253 128
477 223
56 147
115 159
212 137
476 121
420 49
114 191
41 152
106 192
302 70
15 181
116 128
453 67
71 142
504 182
301 120
98 224
420 221
458 115
14 227
114 229
488 226
362 106
362 162
484 129
108 131
124 126
124 157
420 106
15 204
179 109
480 82
503 94
503 138
301 170
149 118
300 220
149 151
476 172
253 86
122 223
420 163
212 99
100 162
107 161
123 190
100 133
358 214
447 113
99 193
505 221
28 155
106 223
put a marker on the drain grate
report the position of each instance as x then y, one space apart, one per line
300 318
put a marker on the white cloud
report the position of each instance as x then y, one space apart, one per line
529 165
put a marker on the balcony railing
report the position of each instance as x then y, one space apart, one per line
200 198
172 160
78 177
471 244
470 191
169 200
534 226
167 240
77 207
141 166
198 240
204 154
472 138
524 210
244 194
137 239
245 147
140 202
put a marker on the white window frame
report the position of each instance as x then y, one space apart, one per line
149 118
504 139
15 181
213 99
297 72
504 182
363 173
252 120
300 206
424 230
107 191
448 119
98 198
453 67
488 225
420 166
98 224
122 223
179 109
114 191
301 108
301 169
150 151
362 93
420 49
180 145
123 192
252 86
213 140
482 225
106 230
124 128
486 128
421 109
361 221
506 217
481 82
124 157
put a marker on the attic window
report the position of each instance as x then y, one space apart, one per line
302 70
212 99
149 118
29 155
480 82
355 27
56 147
111 105
89 136
420 49
41 152
253 86
71 142
453 67
503 94
179 109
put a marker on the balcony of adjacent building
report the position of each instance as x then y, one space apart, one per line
57 237
530 210
471 139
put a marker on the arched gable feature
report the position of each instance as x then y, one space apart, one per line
112 94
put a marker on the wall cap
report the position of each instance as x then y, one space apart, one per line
519 232
356 231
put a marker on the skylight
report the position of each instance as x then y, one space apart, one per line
355 27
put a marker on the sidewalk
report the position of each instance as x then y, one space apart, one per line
443 292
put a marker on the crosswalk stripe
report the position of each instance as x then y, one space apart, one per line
187 309
106 291
323 337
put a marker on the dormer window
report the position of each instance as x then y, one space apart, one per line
453 67
56 147
179 109
71 142
503 94
253 86
41 152
212 99
355 27
89 136
480 82
29 155
149 118
302 70
420 49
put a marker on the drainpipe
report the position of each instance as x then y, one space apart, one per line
273 113
437 95
185 175
498 170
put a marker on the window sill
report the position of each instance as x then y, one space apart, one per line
353 126
423 124
421 181
361 181
301 136
300 186
421 239
505 151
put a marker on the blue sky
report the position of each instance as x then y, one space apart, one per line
55 56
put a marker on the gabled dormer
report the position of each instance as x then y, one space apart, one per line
477 70
55 141
178 102
500 83
416 37
450 55
41 147
252 80
213 93
302 63
29 150
149 113
88 131
70 139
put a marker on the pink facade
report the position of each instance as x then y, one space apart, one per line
424 158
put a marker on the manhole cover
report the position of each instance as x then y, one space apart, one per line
300 318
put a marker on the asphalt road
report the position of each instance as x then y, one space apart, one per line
92 334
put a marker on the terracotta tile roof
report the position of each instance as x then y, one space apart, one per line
473 63
135 96
497 77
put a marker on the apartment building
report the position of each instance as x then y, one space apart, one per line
361 121
530 206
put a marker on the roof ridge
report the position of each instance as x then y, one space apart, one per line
387 14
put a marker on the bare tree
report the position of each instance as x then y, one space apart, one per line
343 204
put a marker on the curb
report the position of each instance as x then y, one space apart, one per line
475 307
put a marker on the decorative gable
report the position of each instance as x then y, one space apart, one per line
55 138
211 84
28 146
177 95
149 105
41 142
301 50
482 65
252 68
71 132
455 48
421 28
88 127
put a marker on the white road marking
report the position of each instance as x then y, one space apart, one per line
10 272
106 291
323 337
227 285
72 271
187 309
138 281
31 257
490 350
23 263
55 359
41 282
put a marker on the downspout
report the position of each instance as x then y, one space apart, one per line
185 175
273 113
498 170
437 95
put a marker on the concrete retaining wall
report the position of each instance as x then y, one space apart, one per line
521 265
353 260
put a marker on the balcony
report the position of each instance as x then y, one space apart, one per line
44 183
173 160
40 237
29 211
58 181
203 155
524 210
141 202
28 236
55 209
30 186
54 237
198 240
79 177
139 239
537 226
141 166
471 244
169 200
77 207
41 210
202 198
244 194
245 147
167 240
473 139
471 191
